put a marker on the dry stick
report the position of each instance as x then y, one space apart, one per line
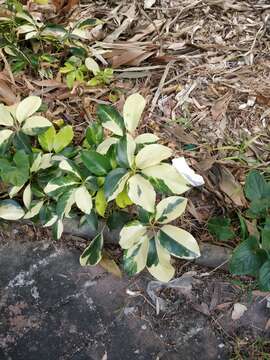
160 86
7 67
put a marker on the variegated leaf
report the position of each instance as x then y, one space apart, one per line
5 136
68 166
178 242
125 150
36 125
59 184
170 208
111 119
158 262
152 155
135 257
115 182
131 234
166 179
93 253
34 210
142 193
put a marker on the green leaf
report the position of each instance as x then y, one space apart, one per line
221 228
264 276
243 227
178 242
246 260
92 254
94 134
63 138
152 258
111 119
98 164
122 200
92 220
100 202
46 139
255 185
10 210
258 208
117 220
22 142
115 182
125 150
265 235
16 172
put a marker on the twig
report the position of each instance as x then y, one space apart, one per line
160 86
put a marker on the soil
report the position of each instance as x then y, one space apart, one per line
51 305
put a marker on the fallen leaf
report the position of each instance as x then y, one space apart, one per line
110 266
219 108
267 325
149 3
231 187
6 94
238 311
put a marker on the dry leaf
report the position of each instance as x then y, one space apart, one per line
6 94
149 3
219 108
231 187
110 266
238 311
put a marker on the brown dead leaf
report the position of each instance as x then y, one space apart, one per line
6 94
231 187
219 108
110 266
155 25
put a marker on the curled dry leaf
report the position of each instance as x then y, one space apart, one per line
238 311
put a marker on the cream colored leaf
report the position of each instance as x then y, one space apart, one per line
167 177
138 254
27 107
83 200
5 135
92 65
238 311
131 234
132 111
146 138
142 193
10 210
152 155
6 118
27 196
14 190
105 145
